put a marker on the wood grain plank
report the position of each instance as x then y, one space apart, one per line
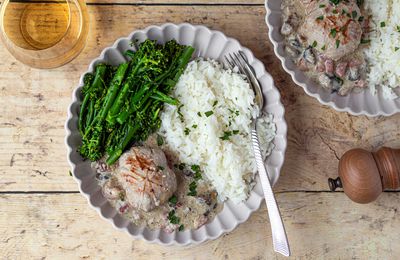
35 103
63 226
318 137
176 2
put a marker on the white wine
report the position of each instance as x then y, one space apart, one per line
36 25
44 33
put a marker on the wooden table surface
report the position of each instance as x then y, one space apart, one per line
44 216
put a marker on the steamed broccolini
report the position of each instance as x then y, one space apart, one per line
122 105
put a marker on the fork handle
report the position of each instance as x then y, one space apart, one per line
279 238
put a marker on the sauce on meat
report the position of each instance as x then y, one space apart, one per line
325 41
192 211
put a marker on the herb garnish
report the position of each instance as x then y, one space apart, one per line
199 114
173 218
337 44
333 32
180 113
197 172
197 176
361 18
354 14
121 196
160 140
187 131
396 48
194 126
323 47
234 112
339 80
173 200
160 167
181 227
365 41
192 189
383 24
320 18
208 113
181 166
314 44
232 116
322 6
398 28
228 134
195 168
215 103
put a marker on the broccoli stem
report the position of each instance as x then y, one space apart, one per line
88 80
83 115
114 156
157 95
122 95
136 102
98 82
112 92
182 63
90 116
89 89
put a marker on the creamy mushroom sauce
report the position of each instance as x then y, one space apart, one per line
192 211
326 41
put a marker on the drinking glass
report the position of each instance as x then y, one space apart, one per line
44 33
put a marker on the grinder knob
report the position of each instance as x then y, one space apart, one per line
364 175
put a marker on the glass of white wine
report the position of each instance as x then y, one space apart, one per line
44 33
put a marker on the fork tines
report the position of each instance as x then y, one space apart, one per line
239 61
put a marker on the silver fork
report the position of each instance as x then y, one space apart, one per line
279 238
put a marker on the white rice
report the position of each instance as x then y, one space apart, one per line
383 54
228 164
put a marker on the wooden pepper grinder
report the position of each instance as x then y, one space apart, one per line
364 175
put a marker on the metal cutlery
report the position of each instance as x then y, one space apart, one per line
279 238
